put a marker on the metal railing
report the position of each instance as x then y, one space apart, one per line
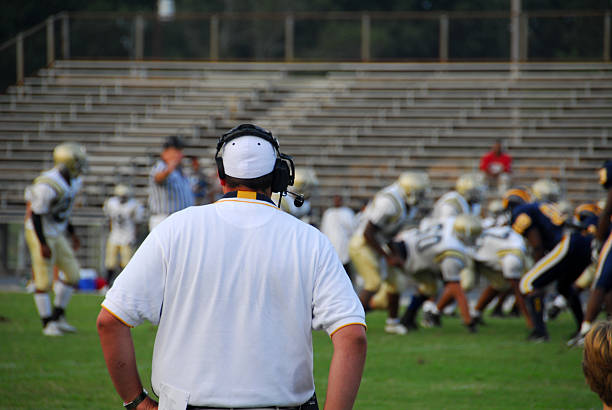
331 36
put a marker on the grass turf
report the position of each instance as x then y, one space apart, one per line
432 368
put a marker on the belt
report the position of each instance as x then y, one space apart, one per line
311 404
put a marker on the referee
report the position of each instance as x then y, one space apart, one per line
169 187
236 288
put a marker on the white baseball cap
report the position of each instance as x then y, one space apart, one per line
248 157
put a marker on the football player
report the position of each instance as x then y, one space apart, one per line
558 257
467 197
603 273
50 200
370 255
438 252
501 256
124 212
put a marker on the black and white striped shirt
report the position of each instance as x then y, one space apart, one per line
171 195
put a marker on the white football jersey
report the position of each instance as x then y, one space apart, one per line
497 243
388 211
338 224
53 198
427 248
123 217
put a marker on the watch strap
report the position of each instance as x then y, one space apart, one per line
134 403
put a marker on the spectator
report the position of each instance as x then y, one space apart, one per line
497 165
169 187
236 288
338 224
597 361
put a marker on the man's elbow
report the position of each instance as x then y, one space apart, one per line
107 323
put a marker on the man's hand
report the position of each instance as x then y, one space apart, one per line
45 251
76 242
394 260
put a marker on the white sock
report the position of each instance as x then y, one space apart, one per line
560 302
43 304
392 321
585 327
430 307
63 293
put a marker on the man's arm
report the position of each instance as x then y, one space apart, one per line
45 251
534 239
350 346
118 350
604 219
370 237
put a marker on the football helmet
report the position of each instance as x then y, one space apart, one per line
415 186
121 190
605 174
546 190
467 228
587 210
495 208
305 181
472 187
514 197
72 156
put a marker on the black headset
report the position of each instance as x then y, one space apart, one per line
283 174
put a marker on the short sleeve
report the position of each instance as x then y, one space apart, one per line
335 303
137 294
522 223
383 209
41 196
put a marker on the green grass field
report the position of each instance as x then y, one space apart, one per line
428 369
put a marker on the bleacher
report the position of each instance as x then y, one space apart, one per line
358 124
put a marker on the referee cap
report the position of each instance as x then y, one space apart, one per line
248 157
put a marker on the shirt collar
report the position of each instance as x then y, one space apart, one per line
248 195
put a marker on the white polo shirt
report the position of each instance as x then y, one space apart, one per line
236 288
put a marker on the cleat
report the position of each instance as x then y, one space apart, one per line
538 337
65 326
478 320
497 312
396 329
410 326
472 327
553 312
52 329
576 341
431 319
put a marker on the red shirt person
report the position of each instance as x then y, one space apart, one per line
497 165
496 161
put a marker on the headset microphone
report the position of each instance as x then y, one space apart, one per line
298 200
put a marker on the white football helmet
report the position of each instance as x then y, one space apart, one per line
72 156
546 190
472 186
467 228
415 186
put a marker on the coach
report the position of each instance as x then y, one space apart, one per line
236 288
169 188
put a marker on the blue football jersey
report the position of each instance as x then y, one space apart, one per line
543 216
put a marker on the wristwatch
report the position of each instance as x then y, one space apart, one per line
134 403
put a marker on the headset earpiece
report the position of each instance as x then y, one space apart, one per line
220 169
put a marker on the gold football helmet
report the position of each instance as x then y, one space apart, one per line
467 228
415 186
72 156
306 181
121 190
514 197
472 187
546 190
